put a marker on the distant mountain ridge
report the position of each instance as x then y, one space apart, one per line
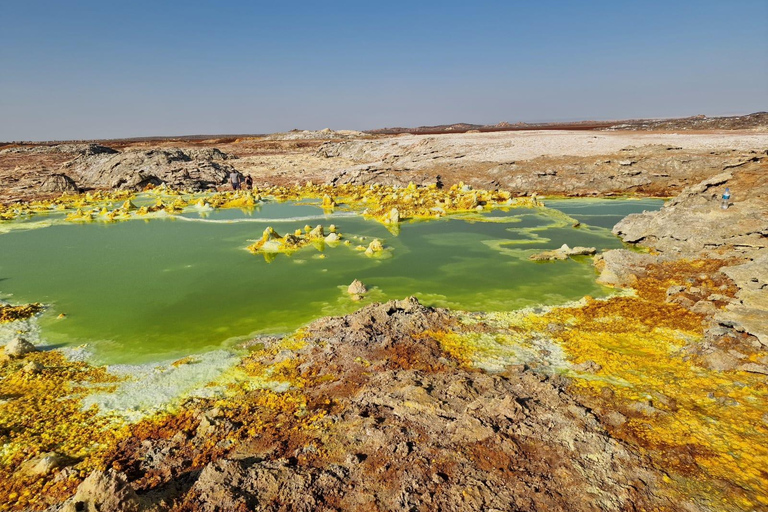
700 122
756 120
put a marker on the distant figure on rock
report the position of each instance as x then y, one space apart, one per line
234 180
726 198
249 182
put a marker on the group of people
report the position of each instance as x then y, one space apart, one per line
235 179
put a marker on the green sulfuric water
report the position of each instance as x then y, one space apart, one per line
149 290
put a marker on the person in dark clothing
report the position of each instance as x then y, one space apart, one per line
248 182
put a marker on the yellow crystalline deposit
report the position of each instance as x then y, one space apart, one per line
82 207
272 242
457 345
391 205
244 199
702 425
690 418
41 411
626 355
10 313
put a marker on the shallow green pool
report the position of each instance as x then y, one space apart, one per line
139 291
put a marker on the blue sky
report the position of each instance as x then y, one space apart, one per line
84 69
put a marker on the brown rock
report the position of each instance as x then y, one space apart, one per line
104 491
58 183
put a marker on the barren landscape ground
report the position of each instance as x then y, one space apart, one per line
663 405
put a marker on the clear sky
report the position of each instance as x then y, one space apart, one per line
104 69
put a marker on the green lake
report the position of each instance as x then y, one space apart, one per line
149 290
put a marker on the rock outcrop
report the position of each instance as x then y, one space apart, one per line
58 183
749 313
357 289
694 226
620 267
103 491
194 169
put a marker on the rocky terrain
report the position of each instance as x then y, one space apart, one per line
406 428
694 226
379 412
557 163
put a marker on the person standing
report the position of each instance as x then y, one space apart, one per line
234 180
248 182
726 198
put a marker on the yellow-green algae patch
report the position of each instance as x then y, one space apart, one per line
707 429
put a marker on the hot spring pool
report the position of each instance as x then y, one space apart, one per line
149 290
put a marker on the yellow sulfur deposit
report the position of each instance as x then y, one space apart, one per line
42 412
626 355
389 205
10 313
272 242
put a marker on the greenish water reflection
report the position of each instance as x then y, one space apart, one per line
140 291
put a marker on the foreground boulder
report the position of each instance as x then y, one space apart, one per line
19 347
103 491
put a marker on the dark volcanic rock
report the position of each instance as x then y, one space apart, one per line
757 120
75 149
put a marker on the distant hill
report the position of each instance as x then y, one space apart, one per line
757 120
700 122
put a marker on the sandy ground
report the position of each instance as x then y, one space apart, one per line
527 145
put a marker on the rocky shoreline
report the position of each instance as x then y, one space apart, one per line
384 409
